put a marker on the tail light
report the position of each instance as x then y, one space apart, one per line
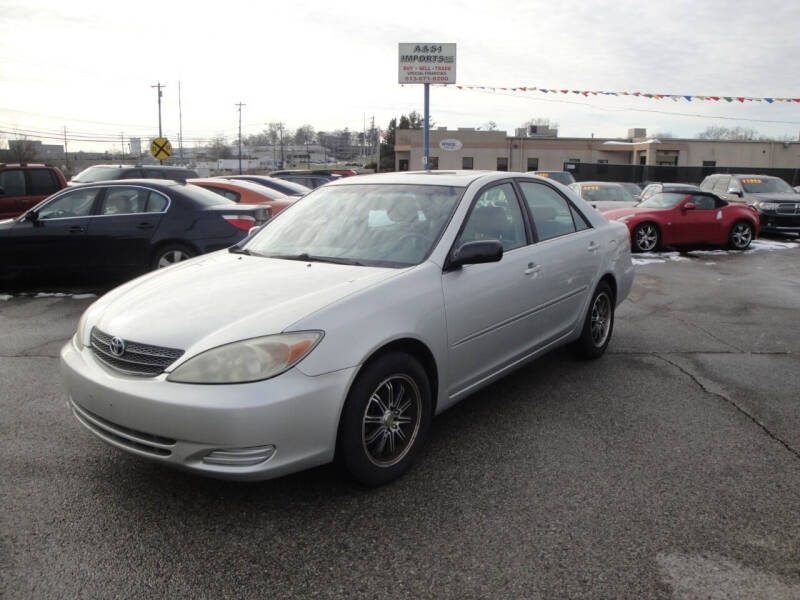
243 222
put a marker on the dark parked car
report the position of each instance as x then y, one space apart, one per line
778 205
285 187
310 180
111 172
23 186
118 229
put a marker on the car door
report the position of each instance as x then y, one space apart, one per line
567 252
119 235
54 243
698 225
12 182
491 308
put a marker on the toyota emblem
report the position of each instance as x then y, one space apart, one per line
116 346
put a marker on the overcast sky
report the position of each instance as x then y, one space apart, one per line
88 65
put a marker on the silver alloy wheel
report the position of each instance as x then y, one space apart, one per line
391 420
601 319
741 236
172 257
646 237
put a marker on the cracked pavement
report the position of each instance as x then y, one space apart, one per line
670 468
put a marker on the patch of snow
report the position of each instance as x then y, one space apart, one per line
4 297
51 295
772 245
709 263
83 296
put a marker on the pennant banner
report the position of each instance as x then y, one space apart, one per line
652 96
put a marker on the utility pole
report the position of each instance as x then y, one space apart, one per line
159 86
66 156
180 124
240 105
122 145
280 129
426 131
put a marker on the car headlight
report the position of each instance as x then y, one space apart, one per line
768 205
79 341
249 360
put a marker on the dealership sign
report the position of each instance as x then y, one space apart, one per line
427 63
451 145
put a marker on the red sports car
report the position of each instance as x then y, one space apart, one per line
679 219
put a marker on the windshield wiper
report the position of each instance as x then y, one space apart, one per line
305 256
245 251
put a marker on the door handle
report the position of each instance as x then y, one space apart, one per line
593 246
77 229
533 269
144 226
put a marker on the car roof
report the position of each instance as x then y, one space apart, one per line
601 183
139 182
243 184
448 178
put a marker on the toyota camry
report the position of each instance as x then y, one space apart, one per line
341 327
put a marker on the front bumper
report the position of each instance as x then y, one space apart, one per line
180 425
777 223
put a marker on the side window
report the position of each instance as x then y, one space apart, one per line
649 191
43 182
71 204
154 174
496 215
552 214
719 203
580 221
124 201
156 203
703 202
13 182
734 184
134 174
721 186
708 183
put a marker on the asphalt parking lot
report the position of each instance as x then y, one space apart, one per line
670 468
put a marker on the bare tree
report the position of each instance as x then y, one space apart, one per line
219 148
545 122
22 150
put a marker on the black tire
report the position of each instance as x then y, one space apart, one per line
597 328
741 235
645 237
171 254
369 447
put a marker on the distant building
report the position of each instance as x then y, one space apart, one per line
468 148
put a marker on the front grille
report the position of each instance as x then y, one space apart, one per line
154 445
137 359
788 209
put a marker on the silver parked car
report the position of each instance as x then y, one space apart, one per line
346 323
604 195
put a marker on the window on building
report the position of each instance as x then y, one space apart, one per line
402 164
533 164
467 162
502 163
709 163
602 161
574 160
434 163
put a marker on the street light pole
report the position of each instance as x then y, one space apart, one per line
240 105
159 86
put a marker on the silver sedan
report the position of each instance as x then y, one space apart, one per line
346 323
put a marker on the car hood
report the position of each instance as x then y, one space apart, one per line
222 297
6 224
777 197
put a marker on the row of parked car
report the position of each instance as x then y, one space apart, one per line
725 209
113 222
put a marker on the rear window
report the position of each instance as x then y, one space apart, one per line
98 174
43 182
201 196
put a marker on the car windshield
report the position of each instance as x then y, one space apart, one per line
761 185
372 225
633 189
663 200
93 174
605 193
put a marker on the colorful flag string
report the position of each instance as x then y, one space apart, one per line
652 96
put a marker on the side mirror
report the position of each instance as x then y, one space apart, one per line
471 253
689 206
735 192
32 216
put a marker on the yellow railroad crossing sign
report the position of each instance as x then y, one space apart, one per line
160 148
